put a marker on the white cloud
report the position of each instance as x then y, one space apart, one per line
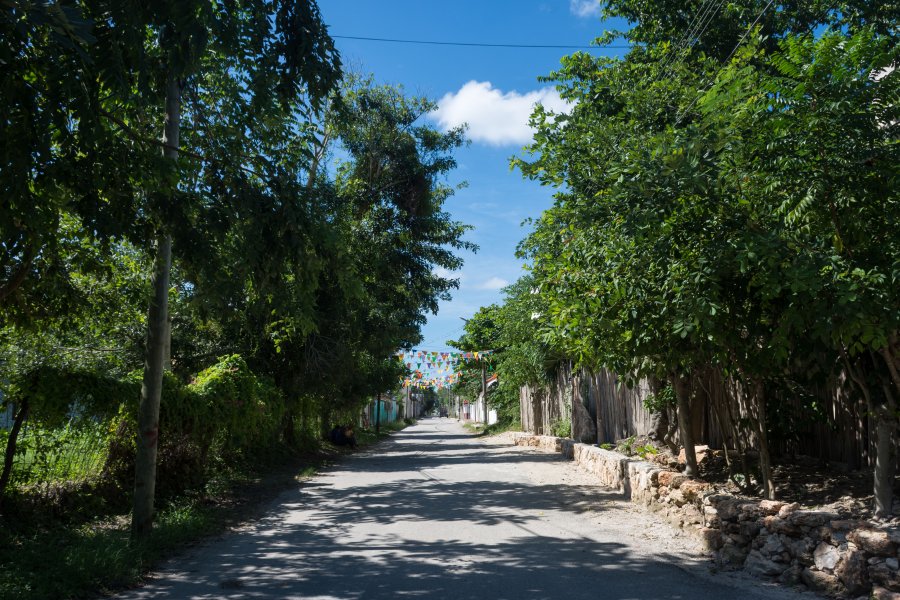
494 283
446 273
585 8
494 117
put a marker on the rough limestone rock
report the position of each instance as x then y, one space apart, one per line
677 498
811 518
822 582
770 507
693 490
691 514
873 541
749 528
700 451
584 429
711 517
800 548
846 524
885 576
834 556
711 539
791 576
732 555
826 556
727 506
788 509
880 593
757 564
851 570
749 512
776 524
772 546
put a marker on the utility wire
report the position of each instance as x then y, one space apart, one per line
691 36
480 44
730 55
708 15
695 30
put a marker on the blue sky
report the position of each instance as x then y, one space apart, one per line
492 90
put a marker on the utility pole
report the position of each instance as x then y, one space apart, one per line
484 390
378 414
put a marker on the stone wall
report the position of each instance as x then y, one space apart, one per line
768 539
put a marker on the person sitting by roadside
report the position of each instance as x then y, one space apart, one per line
342 435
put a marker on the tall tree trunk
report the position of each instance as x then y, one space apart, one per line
154 363
885 462
883 416
765 460
682 386
11 447
886 416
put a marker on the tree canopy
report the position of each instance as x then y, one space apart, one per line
728 200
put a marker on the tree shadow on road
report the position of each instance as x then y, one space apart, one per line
403 531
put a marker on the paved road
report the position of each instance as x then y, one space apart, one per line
436 513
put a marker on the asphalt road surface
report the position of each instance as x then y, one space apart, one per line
437 513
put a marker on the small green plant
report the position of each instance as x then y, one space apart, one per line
659 402
646 450
626 446
607 446
561 428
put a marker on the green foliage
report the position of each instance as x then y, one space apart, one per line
99 556
628 447
520 355
306 316
74 452
244 410
731 203
57 396
561 428
661 401
646 450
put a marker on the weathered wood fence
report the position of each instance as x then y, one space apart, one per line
828 425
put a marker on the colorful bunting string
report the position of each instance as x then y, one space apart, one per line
442 367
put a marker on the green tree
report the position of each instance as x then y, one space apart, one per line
676 242
824 265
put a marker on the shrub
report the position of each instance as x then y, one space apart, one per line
244 410
561 428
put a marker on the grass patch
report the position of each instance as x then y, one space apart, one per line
474 427
503 427
495 429
55 560
69 453
42 559
96 557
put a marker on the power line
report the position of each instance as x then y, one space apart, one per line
690 36
481 44
711 81
696 28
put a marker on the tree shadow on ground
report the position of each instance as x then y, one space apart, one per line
397 529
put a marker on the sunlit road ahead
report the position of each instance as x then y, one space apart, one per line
437 513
